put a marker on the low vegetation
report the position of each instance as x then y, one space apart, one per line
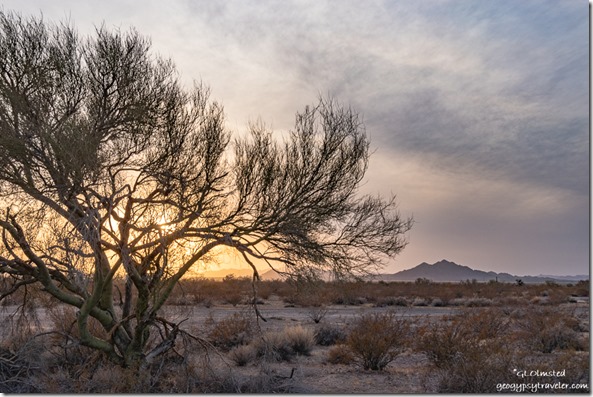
473 348
380 294
376 339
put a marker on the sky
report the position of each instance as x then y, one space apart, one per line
478 111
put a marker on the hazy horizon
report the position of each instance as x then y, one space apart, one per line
478 112
238 270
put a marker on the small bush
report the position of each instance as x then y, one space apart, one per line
233 298
458 302
478 370
376 339
327 335
232 331
478 302
392 301
444 342
340 354
419 302
546 330
470 351
317 313
437 302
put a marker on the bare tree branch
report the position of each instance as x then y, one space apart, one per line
109 167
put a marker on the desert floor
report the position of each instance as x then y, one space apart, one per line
411 371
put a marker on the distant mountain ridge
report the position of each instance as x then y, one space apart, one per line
442 271
446 271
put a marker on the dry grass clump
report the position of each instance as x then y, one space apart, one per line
237 329
285 344
243 355
376 339
273 346
300 340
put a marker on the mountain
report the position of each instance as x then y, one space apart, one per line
445 271
442 271
566 278
270 275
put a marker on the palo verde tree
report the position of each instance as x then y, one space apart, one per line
110 168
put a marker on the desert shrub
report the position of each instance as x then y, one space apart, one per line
242 355
423 281
300 340
557 337
311 297
458 302
376 339
340 354
478 302
329 334
233 298
420 302
207 303
478 370
317 313
445 340
546 330
349 300
469 350
232 331
510 301
392 301
441 343
257 301
576 365
437 302
267 381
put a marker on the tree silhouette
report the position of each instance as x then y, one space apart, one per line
110 168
